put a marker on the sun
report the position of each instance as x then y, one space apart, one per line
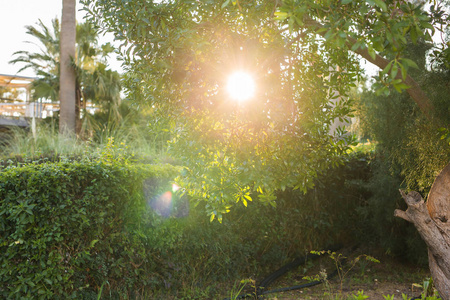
241 86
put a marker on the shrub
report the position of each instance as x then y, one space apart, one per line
68 228
77 229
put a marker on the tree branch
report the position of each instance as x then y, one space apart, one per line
416 93
402 214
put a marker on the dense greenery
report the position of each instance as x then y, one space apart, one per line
179 53
411 144
178 62
68 228
80 228
105 224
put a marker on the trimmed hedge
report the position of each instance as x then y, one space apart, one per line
67 229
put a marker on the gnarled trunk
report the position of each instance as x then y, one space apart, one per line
432 221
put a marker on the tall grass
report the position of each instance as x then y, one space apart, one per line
46 141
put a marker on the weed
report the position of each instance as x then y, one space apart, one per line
428 289
339 260
360 296
237 289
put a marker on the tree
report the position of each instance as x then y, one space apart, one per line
44 63
407 139
94 81
403 135
67 79
304 55
179 54
179 63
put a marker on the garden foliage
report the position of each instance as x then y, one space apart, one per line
74 229
78 229
67 228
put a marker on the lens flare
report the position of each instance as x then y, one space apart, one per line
162 204
241 86
175 187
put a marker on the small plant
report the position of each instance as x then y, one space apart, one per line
339 260
405 297
360 296
236 291
323 277
428 290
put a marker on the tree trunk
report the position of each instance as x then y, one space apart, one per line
67 79
432 221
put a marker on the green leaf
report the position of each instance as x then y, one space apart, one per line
328 35
394 71
356 45
371 52
93 243
381 4
280 15
414 34
399 87
387 68
410 63
403 70
225 4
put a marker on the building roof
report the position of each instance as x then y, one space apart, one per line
15 81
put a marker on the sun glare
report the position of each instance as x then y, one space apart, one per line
241 86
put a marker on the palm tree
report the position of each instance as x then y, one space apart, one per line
44 63
94 82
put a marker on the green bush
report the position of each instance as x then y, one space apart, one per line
78 229
68 228
377 226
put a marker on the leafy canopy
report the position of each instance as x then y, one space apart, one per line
301 54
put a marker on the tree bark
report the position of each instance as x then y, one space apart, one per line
67 88
431 220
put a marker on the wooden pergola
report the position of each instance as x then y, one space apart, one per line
19 107
15 81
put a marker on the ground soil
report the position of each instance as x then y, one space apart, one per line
389 277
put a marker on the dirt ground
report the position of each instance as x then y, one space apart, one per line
376 291
389 277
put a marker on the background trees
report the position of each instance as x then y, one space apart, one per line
179 54
411 143
95 82
179 59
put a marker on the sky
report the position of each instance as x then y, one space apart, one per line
15 15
